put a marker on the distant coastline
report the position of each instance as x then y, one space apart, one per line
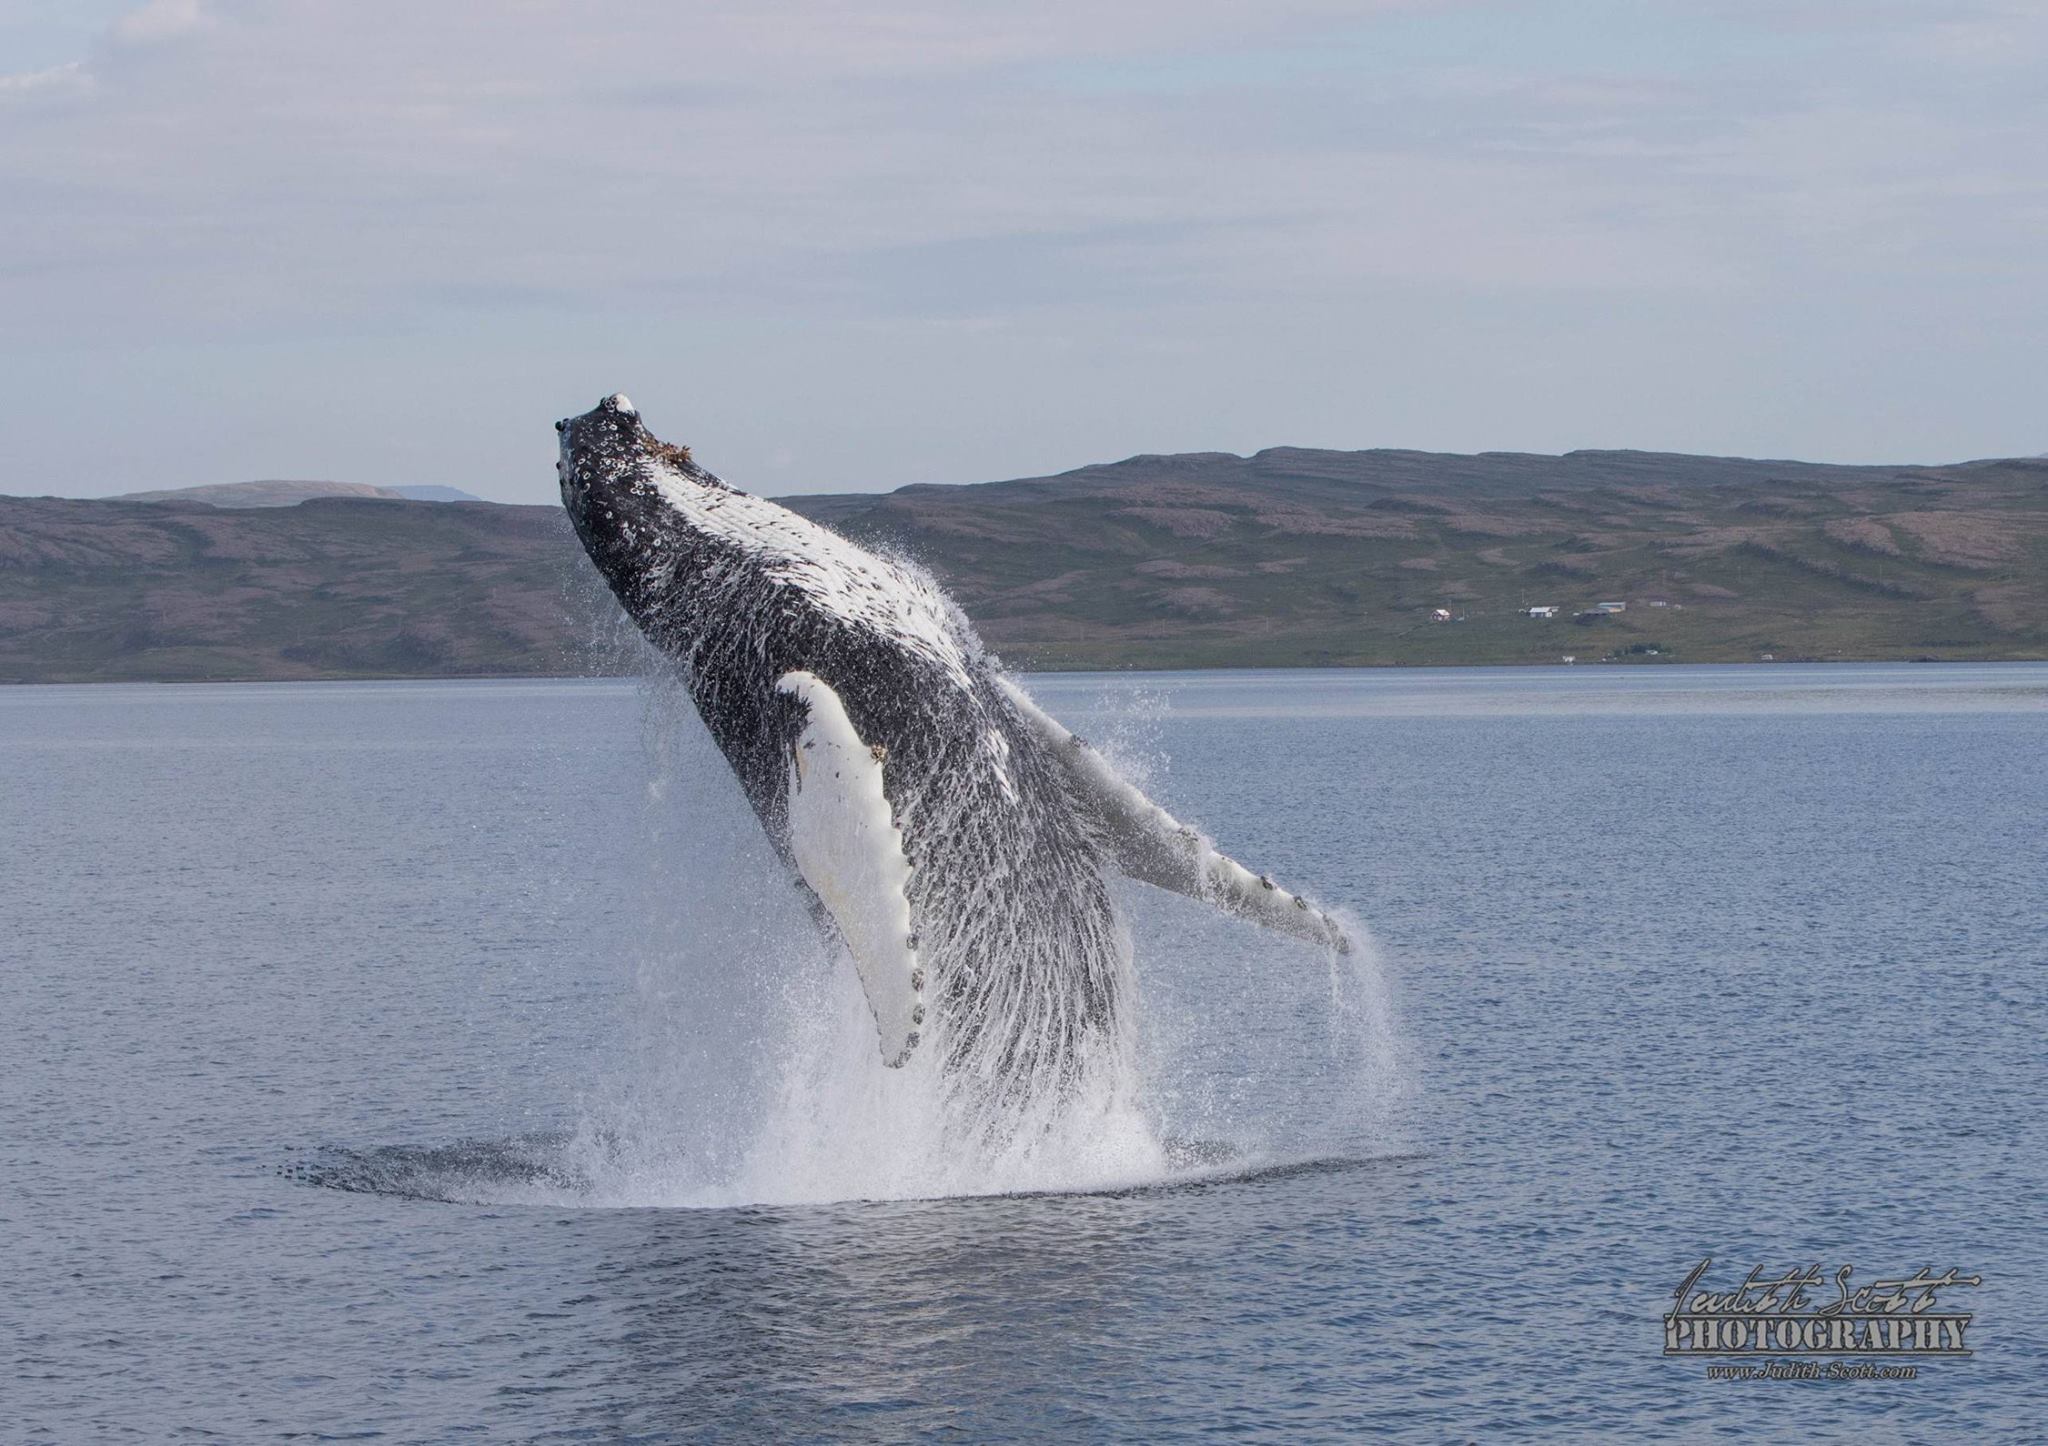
1289 558
633 675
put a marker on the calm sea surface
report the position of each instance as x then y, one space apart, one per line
435 1061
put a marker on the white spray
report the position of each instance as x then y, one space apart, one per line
750 1075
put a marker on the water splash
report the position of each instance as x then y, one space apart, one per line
748 1075
754 1077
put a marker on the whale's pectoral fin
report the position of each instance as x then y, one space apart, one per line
847 847
1153 847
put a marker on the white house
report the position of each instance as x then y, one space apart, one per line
1547 611
1440 615
1615 607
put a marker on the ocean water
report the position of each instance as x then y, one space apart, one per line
435 1061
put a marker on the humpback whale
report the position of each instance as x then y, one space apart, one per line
950 835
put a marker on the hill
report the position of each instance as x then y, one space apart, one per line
290 494
435 492
1288 557
332 588
1296 557
273 493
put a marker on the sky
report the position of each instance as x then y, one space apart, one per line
839 246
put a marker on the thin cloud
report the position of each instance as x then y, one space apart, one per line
1215 204
160 21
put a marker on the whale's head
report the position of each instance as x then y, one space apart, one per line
619 483
612 428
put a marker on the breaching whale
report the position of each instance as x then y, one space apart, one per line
952 836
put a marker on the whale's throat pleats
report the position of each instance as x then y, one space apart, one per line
848 849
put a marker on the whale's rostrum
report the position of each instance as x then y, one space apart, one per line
955 839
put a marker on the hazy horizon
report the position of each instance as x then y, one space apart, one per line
843 250
549 499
